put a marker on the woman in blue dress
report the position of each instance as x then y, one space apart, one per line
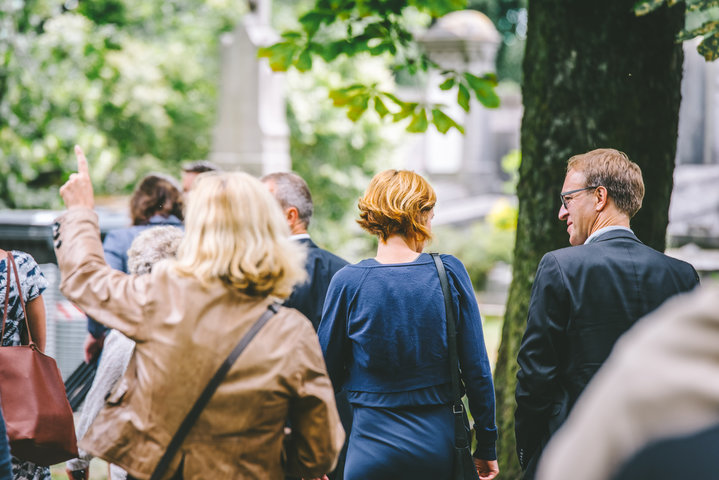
384 337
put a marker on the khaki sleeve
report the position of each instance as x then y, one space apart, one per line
317 435
111 297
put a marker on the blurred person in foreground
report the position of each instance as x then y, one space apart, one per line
295 199
148 248
157 200
586 296
652 411
384 337
234 261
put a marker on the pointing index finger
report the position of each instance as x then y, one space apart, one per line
81 161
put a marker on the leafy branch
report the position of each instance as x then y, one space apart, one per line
703 12
350 27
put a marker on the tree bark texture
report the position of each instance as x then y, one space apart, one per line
595 75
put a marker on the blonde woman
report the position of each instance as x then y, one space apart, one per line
149 247
185 316
384 336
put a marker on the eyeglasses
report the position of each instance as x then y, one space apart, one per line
565 200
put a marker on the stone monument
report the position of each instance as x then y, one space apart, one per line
251 133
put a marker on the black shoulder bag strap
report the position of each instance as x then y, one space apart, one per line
460 436
209 390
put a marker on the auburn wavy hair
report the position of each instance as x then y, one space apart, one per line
235 233
397 202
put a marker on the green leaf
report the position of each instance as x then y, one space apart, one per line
491 77
709 47
381 48
355 99
313 20
706 28
330 50
339 98
447 84
380 107
483 89
291 35
404 112
463 97
647 6
437 8
419 122
304 61
342 96
280 55
360 100
702 5
354 114
397 101
444 122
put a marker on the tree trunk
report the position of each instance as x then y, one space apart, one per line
595 75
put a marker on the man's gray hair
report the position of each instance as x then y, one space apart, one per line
292 191
151 246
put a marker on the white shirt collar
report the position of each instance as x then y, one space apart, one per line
300 236
604 230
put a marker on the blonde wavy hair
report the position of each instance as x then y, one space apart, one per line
397 202
235 233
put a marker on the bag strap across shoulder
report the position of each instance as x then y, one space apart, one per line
451 329
10 265
209 390
460 434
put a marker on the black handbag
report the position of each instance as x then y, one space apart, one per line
463 467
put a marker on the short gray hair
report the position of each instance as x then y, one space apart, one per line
292 191
151 246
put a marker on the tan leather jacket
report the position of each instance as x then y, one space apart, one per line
183 333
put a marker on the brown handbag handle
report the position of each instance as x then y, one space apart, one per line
10 261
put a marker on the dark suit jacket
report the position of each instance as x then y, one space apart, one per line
583 299
309 297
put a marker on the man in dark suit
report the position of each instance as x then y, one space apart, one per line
293 195
586 296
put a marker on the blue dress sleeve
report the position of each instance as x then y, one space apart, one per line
332 331
473 359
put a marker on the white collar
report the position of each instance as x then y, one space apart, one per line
604 230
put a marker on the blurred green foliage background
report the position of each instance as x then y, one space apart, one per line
136 84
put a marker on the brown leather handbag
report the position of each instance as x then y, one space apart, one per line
37 414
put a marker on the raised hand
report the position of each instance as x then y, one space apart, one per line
77 191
